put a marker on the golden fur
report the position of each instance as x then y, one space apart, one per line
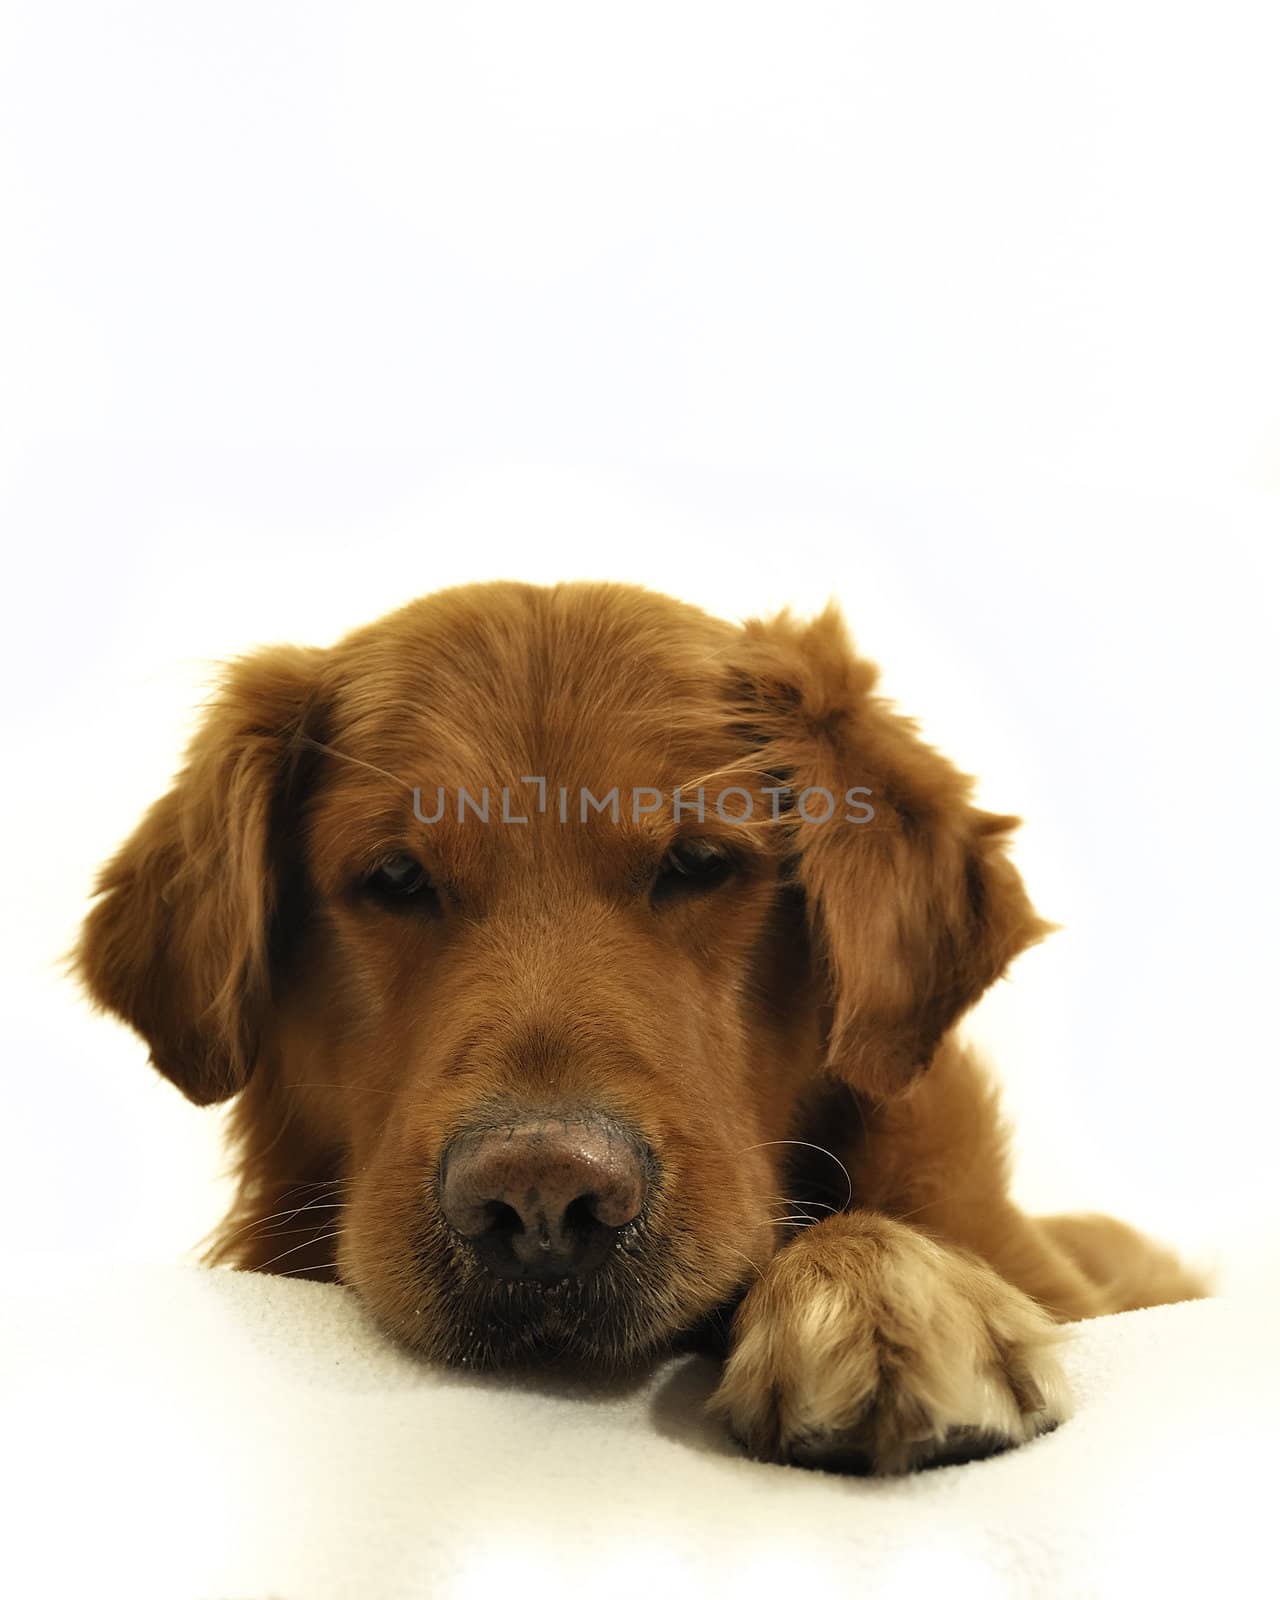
781 1039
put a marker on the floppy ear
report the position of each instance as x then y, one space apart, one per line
916 910
178 944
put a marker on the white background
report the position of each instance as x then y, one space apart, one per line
965 314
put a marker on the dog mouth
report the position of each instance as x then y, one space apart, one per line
608 1318
549 1326
655 1293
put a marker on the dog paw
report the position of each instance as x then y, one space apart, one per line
867 1347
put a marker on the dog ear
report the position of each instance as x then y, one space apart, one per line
179 941
914 906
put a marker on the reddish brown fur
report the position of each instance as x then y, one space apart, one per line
803 999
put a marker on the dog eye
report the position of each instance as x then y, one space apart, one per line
397 881
691 866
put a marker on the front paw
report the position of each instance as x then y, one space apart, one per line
867 1347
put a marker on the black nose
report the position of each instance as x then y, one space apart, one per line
543 1199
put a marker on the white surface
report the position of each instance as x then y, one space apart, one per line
184 1435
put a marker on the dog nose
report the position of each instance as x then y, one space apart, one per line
543 1199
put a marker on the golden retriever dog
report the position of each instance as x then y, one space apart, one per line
585 970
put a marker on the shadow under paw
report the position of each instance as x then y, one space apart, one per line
852 1455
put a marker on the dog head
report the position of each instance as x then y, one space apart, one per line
522 923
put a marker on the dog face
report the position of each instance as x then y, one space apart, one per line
525 921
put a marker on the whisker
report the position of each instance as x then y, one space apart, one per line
355 761
747 1259
799 1200
358 1088
256 1223
319 1239
282 1233
284 1184
808 1145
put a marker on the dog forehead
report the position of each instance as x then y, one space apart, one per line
496 681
